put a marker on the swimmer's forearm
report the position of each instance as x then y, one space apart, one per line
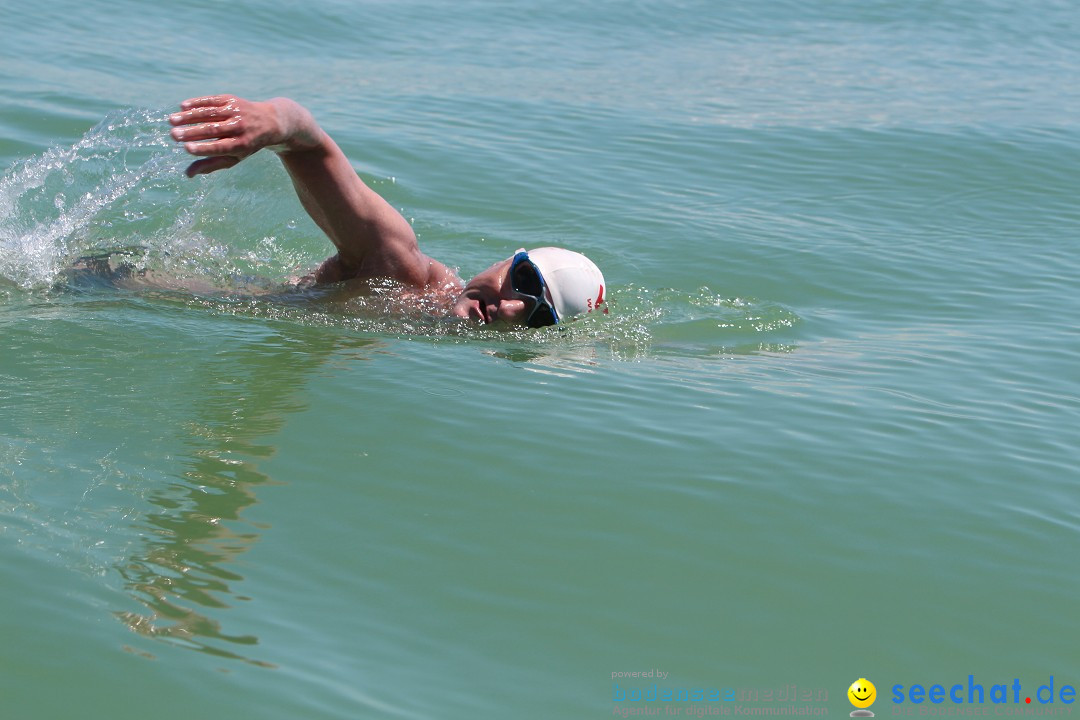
357 220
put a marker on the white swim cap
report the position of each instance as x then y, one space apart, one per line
575 283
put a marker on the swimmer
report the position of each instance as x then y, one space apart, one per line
533 288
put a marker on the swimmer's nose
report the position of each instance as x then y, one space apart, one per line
512 312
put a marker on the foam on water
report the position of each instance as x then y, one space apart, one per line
122 187
70 200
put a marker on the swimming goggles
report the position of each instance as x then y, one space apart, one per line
526 280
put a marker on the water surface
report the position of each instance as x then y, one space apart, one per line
827 431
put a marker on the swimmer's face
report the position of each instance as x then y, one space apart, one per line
862 693
488 298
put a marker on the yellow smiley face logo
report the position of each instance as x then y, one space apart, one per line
862 693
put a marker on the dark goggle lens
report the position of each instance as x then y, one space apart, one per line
525 279
542 316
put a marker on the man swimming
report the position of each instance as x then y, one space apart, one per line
534 288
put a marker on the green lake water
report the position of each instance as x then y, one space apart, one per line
828 430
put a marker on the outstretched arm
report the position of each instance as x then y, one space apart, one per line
372 238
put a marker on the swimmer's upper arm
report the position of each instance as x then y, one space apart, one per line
372 238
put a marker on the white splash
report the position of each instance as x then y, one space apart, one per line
95 194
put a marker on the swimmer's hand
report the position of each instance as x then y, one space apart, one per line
225 129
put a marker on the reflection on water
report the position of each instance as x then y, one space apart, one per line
185 570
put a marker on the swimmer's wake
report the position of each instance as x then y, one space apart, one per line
114 188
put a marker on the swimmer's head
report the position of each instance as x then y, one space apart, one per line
533 288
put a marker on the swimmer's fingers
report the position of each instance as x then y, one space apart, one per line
218 126
203 114
211 164
208 101
209 130
235 146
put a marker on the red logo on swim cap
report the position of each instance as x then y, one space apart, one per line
599 300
